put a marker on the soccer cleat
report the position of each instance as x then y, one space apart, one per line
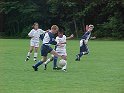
77 58
35 59
85 53
59 68
64 70
27 58
56 68
35 69
45 66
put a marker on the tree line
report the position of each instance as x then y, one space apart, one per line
71 15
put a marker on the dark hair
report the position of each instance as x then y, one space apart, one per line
34 24
61 30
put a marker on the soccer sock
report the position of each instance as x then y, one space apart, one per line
35 55
38 64
65 66
55 61
28 55
48 60
81 54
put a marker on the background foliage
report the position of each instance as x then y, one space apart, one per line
72 15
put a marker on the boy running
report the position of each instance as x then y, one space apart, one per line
45 48
83 43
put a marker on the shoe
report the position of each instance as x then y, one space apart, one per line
27 58
56 68
35 59
64 70
85 53
35 69
45 66
77 58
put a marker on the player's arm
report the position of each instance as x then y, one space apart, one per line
42 32
93 37
87 27
53 42
31 34
70 37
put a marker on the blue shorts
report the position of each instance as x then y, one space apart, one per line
45 49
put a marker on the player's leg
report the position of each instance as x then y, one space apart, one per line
55 62
81 50
44 52
36 50
48 61
56 54
87 50
35 67
35 53
65 67
29 53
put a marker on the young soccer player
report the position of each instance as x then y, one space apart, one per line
83 43
60 48
45 48
34 42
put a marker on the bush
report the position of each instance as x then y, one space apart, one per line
113 28
25 32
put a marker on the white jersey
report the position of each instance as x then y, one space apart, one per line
61 40
35 34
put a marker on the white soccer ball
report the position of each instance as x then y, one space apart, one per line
62 63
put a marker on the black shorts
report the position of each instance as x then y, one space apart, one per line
84 47
45 49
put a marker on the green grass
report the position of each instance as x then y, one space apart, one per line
102 71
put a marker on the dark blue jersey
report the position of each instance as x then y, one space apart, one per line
49 39
86 36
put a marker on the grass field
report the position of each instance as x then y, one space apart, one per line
102 71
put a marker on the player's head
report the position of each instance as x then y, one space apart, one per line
60 33
54 29
35 25
90 27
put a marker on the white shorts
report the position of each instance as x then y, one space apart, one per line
61 53
33 43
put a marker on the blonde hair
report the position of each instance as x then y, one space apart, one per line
55 27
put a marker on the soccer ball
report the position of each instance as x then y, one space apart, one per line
62 63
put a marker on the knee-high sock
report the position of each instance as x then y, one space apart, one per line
55 61
65 66
38 64
48 60
35 55
81 54
28 55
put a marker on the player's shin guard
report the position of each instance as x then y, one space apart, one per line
55 62
64 68
38 64
28 55
81 54
48 60
35 56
